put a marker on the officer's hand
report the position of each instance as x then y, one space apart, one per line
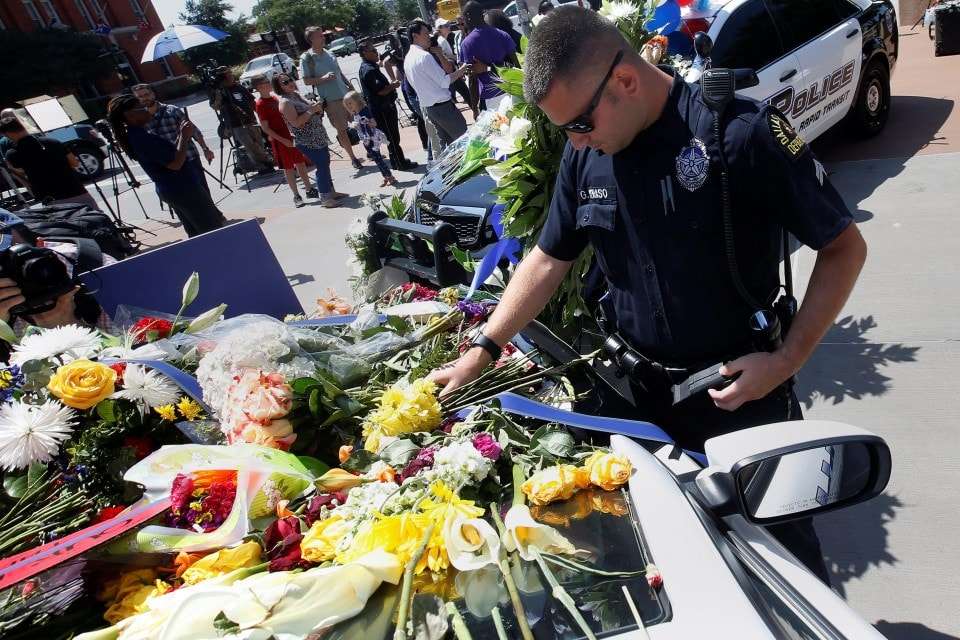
466 368
760 373
10 297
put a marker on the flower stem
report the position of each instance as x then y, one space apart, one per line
504 565
498 623
400 633
561 594
460 629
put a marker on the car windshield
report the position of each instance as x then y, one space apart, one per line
259 63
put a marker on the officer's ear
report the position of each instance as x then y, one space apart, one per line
626 80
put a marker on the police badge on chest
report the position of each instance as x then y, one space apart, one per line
693 165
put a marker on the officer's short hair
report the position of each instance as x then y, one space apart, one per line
566 42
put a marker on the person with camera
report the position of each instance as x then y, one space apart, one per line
38 283
430 75
305 121
320 70
645 182
235 104
381 97
46 164
166 164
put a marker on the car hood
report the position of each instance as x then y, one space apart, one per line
475 191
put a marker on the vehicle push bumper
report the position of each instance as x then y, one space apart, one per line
425 252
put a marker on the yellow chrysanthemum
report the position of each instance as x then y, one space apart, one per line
403 408
443 505
167 412
189 409
398 534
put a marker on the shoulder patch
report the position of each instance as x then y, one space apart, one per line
785 135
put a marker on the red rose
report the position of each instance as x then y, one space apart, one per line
149 329
107 513
142 447
281 541
120 368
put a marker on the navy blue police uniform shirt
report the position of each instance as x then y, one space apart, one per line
653 214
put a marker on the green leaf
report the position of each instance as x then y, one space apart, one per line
399 452
360 461
552 441
316 467
301 386
398 324
15 486
35 472
314 403
7 334
224 626
106 410
348 405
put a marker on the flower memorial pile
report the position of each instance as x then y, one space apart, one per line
318 475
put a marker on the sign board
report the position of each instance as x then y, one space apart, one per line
236 266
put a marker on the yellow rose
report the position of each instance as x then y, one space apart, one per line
82 384
128 594
553 483
222 562
319 544
608 471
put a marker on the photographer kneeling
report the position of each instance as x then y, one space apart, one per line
38 283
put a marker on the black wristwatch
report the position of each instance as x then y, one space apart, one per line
487 345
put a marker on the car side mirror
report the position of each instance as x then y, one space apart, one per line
791 470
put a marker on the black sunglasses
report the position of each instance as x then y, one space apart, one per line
584 122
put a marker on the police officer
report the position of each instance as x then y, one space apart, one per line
639 182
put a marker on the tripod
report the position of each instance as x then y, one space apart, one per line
114 160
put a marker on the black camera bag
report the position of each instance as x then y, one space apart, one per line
77 221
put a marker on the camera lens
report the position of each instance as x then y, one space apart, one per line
44 270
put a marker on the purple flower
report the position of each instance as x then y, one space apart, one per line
486 445
423 460
447 425
472 310
11 379
328 500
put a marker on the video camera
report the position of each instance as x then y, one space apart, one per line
207 72
39 273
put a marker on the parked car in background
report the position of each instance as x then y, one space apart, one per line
87 144
343 46
267 66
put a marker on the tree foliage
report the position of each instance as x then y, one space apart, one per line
299 14
407 10
370 17
56 59
213 13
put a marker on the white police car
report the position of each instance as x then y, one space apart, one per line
818 61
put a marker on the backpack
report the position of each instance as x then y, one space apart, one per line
77 220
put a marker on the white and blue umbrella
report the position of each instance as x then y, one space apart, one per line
180 38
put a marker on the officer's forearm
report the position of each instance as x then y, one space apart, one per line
530 288
834 274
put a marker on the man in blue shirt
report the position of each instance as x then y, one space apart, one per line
486 47
641 183
177 182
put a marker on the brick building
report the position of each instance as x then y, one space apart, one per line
125 26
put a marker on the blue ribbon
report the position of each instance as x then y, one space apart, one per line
504 247
666 18
331 321
513 403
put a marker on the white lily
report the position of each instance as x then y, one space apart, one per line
508 141
471 542
496 172
482 590
206 319
523 532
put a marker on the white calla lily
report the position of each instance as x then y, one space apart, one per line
508 141
523 532
206 319
471 543
482 591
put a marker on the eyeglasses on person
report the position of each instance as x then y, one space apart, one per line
584 122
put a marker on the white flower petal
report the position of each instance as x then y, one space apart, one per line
466 555
32 433
147 387
523 532
70 342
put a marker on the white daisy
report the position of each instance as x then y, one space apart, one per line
147 387
32 433
616 12
71 342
